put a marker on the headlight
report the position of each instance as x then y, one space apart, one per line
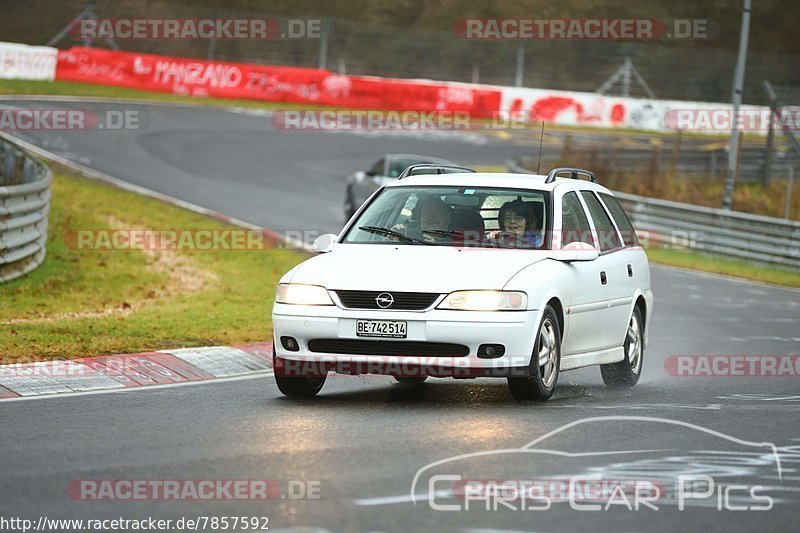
485 301
297 294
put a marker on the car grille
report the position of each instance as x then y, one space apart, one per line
403 301
410 348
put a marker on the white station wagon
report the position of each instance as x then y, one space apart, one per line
451 273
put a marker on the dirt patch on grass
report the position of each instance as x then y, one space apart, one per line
180 273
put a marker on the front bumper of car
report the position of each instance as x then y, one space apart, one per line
514 330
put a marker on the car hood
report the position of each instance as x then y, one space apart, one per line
414 268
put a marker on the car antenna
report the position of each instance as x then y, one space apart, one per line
541 138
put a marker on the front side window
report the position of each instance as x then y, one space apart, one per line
606 232
454 216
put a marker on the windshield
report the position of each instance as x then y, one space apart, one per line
454 216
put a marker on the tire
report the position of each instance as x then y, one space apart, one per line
411 380
626 373
541 381
304 387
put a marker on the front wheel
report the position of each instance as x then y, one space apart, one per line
540 384
300 386
626 373
304 386
409 380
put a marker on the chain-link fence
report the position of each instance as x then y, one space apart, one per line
673 69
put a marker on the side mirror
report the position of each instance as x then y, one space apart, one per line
369 173
324 243
578 251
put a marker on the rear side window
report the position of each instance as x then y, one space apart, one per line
622 220
574 224
606 232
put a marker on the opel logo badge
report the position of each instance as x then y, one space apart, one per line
384 300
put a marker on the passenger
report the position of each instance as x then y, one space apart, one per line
518 225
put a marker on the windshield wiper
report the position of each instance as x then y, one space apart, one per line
461 234
443 232
392 233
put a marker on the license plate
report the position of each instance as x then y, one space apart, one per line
381 328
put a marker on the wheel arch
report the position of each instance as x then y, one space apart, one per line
558 307
640 301
642 305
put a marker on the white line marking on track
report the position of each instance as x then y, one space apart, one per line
764 338
400 498
648 406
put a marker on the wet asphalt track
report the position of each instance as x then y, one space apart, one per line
365 439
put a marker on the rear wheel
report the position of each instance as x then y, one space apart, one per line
626 373
543 372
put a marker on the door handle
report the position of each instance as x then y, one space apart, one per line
603 279
630 271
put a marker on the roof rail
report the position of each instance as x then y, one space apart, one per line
551 176
440 169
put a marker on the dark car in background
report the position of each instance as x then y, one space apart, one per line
361 184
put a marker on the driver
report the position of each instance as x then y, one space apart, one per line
433 215
518 225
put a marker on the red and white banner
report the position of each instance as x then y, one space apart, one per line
571 108
194 77
23 62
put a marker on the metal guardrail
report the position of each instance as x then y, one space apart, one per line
738 235
24 206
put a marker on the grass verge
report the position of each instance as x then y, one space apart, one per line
722 265
84 302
